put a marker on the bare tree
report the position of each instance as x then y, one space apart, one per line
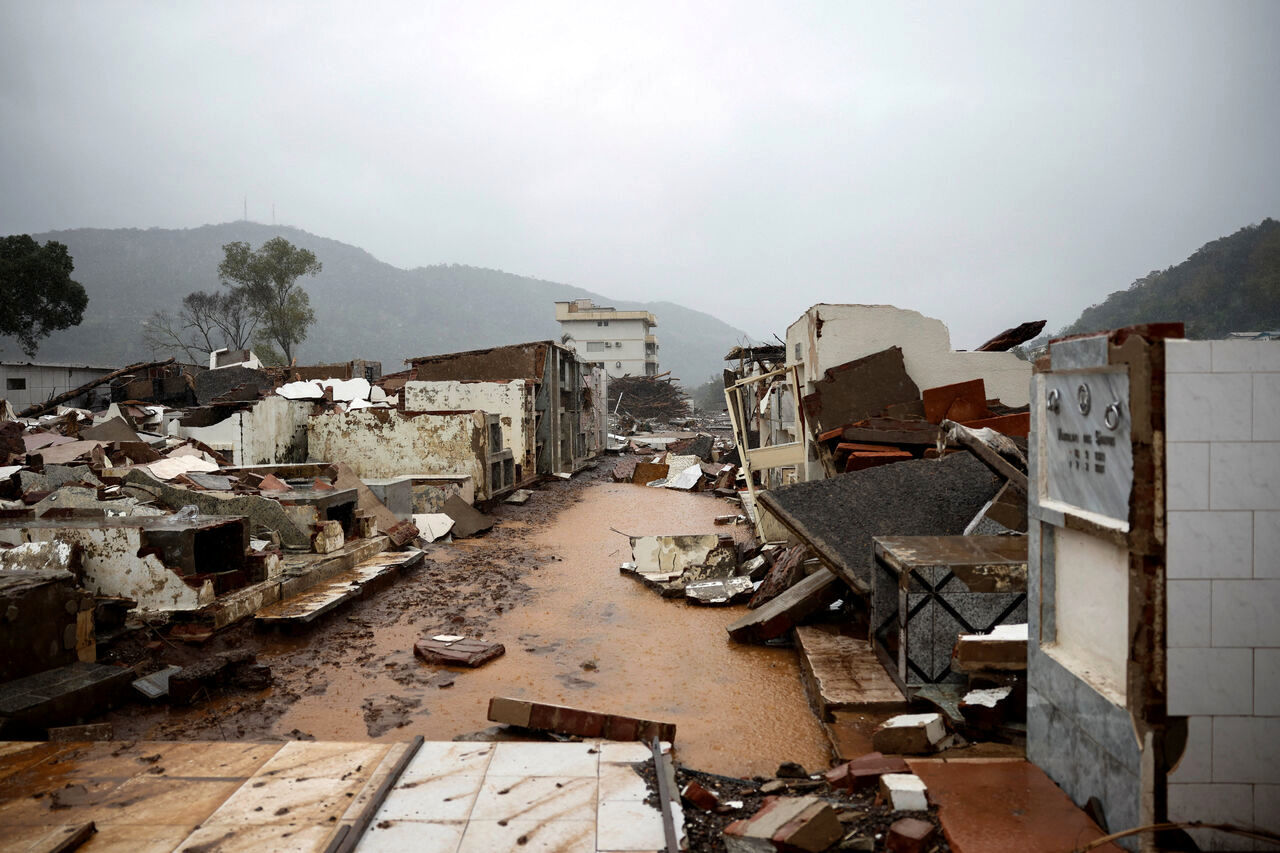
206 322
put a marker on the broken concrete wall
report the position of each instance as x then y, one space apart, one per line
563 404
272 432
48 621
387 443
827 336
110 565
512 401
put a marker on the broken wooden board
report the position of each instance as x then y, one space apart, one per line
842 673
457 650
778 616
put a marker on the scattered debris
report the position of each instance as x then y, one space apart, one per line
457 650
786 823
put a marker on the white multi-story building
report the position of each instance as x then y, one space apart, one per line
622 342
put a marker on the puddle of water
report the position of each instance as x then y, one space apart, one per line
594 638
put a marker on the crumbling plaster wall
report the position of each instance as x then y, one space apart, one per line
110 565
387 443
1223 460
512 401
830 335
272 432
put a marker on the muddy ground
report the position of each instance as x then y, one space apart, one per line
545 583
458 590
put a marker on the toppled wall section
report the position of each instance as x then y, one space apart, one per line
512 401
273 432
826 336
385 443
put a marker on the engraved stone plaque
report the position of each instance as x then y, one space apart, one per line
1088 460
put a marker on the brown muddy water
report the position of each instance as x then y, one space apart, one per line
576 632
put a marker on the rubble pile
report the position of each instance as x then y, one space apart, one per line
649 398
195 504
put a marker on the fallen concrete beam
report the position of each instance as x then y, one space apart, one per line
575 721
783 613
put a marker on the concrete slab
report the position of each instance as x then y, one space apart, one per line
1004 807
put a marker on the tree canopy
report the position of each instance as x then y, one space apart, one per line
37 295
267 279
1229 285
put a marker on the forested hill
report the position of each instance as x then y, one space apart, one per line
1229 285
364 308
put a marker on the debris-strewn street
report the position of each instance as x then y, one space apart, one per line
908 604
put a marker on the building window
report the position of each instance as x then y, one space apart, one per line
602 322
15 384
594 346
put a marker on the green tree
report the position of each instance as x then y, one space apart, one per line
709 396
267 278
37 295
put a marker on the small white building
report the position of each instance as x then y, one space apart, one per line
622 342
27 383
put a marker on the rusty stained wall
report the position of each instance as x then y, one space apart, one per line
111 566
511 401
388 443
518 361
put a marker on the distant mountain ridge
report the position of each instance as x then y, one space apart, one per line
1229 285
365 308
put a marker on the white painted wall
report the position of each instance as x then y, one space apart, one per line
1091 595
1222 413
388 443
43 381
626 339
112 567
273 432
512 401
854 331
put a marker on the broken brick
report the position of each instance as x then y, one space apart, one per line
698 796
787 824
865 771
961 401
909 734
908 835
576 721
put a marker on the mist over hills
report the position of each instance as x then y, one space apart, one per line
365 308
1231 284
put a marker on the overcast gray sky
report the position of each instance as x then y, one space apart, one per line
983 163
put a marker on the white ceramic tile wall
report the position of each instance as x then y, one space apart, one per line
1222 462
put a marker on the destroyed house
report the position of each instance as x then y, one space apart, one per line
28 384
550 402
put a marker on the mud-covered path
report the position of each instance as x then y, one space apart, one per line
545 583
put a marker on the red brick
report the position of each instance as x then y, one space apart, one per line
865 771
962 401
908 835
